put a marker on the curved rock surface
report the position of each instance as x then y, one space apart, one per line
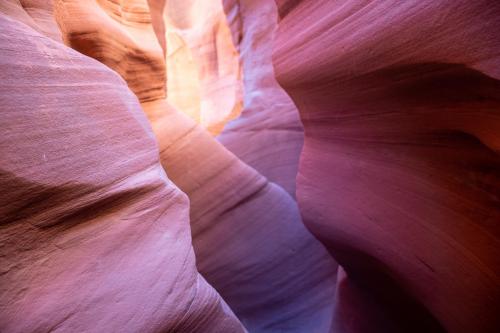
120 35
269 119
204 72
93 236
400 172
248 236
35 13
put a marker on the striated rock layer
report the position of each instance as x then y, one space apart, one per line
120 35
204 71
93 236
36 14
269 119
248 236
400 171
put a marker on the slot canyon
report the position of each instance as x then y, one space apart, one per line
250 166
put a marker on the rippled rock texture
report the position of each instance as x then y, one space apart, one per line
249 240
247 232
150 177
94 237
400 172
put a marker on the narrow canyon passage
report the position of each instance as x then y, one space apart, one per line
249 166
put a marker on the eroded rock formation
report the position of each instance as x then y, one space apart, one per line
237 213
204 72
247 232
94 237
399 175
120 210
37 14
269 118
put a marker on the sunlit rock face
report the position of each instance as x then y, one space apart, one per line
400 173
93 236
204 72
201 59
149 160
120 35
249 240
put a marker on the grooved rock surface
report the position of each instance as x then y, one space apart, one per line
93 236
269 119
172 205
400 172
120 35
204 72
35 13
248 236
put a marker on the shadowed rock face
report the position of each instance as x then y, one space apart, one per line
248 236
269 119
93 236
400 172
287 279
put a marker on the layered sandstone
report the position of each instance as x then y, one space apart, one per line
269 119
93 235
399 176
148 170
248 236
204 71
36 14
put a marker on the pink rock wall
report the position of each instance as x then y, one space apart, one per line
248 236
269 119
35 13
93 235
400 172
120 212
